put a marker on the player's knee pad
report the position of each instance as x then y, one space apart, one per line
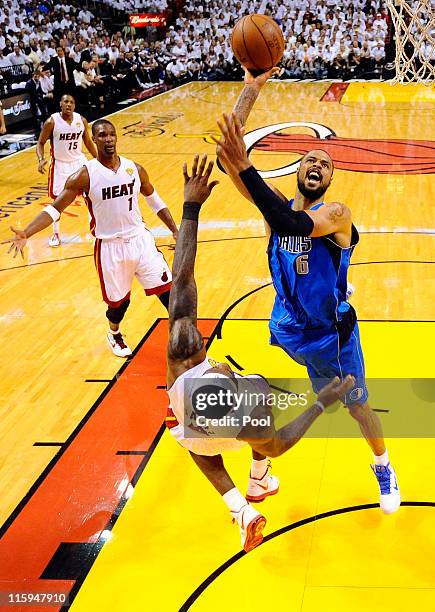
115 315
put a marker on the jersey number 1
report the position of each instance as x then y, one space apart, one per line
130 203
302 264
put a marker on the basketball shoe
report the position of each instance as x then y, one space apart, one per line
117 344
251 524
260 488
390 494
54 240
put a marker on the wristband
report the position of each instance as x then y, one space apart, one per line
52 211
191 211
155 202
320 405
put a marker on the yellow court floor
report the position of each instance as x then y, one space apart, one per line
98 501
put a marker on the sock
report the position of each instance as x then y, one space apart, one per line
234 500
56 227
381 459
259 468
114 333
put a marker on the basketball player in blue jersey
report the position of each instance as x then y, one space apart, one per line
309 252
188 362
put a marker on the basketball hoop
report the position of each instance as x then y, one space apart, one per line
414 25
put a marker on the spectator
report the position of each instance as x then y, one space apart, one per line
62 69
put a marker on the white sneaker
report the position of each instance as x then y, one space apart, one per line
251 525
260 488
390 494
54 240
118 346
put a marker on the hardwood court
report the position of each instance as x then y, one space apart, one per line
98 501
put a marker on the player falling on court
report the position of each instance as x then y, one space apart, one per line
309 252
124 247
188 363
66 131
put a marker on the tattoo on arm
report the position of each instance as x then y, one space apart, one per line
245 103
336 211
183 300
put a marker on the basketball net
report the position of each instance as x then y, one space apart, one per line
414 24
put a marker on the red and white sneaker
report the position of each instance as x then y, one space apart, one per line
54 240
260 488
117 344
251 524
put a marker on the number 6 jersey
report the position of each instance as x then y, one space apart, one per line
112 200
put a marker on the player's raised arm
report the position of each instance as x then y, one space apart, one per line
185 339
45 134
280 217
89 143
155 202
76 184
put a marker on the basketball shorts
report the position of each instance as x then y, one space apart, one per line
324 359
119 260
59 172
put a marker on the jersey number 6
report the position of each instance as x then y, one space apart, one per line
302 264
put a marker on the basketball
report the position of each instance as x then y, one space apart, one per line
257 42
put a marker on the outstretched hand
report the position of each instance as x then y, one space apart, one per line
231 146
335 390
261 79
18 242
196 187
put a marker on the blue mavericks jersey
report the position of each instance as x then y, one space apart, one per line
310 280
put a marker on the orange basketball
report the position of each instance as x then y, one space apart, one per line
257 42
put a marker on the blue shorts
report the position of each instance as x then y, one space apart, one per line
320 353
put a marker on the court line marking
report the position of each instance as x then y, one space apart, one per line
227 564
45 472
104 117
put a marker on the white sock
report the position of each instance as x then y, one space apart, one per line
56 227
234 500
114 332
258 468
381 459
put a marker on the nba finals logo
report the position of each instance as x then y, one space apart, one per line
383 156
130 171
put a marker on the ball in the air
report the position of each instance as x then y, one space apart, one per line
257 42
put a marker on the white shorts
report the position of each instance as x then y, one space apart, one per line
119 260
59 172
206 446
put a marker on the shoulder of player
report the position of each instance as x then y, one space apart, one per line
338 212
80 179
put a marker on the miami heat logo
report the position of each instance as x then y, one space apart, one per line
384 156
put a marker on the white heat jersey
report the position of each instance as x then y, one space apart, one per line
67 139
113 201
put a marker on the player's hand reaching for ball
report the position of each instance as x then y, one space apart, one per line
335 390
18 242
231 148
261 79
196 187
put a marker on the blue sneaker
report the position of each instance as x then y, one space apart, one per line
390 494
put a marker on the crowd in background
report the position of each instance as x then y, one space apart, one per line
50 49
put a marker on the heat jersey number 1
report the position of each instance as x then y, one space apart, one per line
130 203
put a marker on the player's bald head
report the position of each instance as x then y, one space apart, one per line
100 123
319 153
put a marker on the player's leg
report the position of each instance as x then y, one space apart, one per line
152 271
261 482
250 521
116 272
56 182
341 361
